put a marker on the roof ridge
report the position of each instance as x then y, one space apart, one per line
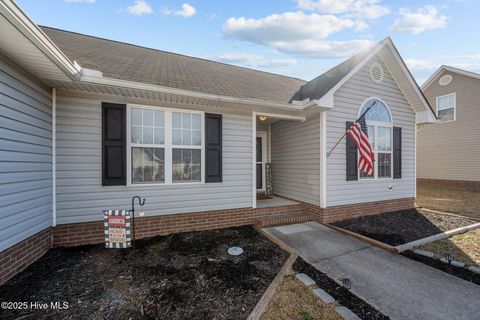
169 52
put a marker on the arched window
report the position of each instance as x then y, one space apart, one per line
379 123
379 111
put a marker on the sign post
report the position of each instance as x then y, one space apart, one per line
117 225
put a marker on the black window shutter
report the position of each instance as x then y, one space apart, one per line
213 147
352 162
397 152
114 144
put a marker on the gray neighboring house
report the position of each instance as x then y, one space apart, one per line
87 123
449 150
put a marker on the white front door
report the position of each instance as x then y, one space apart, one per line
261 156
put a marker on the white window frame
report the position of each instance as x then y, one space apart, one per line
376 125
167 146
454 94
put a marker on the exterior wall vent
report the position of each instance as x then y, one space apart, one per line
376 73
445 80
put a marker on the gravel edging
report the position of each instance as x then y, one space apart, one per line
455 270
339 293
471 267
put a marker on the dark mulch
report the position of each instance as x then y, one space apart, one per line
453 270
399 227
182 276
339 293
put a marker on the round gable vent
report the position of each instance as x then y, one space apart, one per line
376 73
445 80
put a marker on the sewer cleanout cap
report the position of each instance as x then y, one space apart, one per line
235 251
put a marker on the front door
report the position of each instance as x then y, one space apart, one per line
261 151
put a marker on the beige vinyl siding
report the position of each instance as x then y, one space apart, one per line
451 150
81 197
296 159
347 102
25 155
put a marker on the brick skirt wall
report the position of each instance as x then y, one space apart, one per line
449 184
93 232
18 257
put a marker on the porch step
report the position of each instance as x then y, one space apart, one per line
284 219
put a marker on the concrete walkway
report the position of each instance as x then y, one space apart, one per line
397 286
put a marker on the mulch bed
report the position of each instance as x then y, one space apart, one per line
399 227
181 276
339 293
453 270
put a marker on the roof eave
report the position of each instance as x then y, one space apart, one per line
15 15
90 78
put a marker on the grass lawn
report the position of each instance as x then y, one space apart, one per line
293 300
457 201
465 247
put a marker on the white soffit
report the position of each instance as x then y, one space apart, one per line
15 42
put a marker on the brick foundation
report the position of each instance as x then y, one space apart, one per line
18 257
15 259
449 184
92 232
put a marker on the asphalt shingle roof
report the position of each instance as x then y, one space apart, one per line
130 62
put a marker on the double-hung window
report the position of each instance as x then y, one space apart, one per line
379 126
446 107
164 146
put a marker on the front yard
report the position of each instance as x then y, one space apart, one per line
462 202
182 276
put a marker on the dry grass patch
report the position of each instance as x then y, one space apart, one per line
294 301
465 247
463 202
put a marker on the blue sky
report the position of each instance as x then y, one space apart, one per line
299 38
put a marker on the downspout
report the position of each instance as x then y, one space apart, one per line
54 157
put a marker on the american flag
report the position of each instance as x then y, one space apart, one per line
359 133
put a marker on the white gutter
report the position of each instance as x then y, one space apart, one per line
54 157
87 76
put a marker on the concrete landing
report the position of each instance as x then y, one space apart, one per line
397 286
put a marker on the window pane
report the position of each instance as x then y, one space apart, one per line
365 176
147 135
148 165
196 173
196 121
186 165
136 114
196 137
196 156
445 115
159 137
384 165
148 117
187 121
177 136
136 134
187 137
384 139
137 165
159 119
177 120
371 136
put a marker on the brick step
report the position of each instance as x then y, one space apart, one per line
284 219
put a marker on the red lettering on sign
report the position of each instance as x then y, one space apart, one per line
117 221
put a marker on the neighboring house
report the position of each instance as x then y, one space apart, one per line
88 123
449 150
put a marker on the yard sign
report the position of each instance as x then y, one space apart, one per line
117 229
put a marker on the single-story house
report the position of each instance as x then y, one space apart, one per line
88 123
449 150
